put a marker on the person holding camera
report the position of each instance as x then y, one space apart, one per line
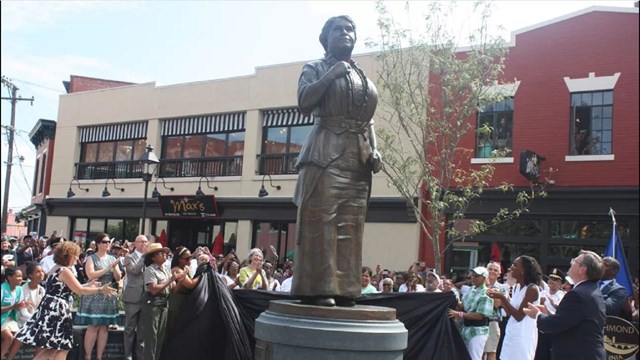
29 251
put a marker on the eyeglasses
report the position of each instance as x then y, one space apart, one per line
105 242
575 260
385 285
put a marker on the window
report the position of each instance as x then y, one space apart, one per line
588 229
591 123
216 154
498 140
110 151
281 147
110 159
204 145
35 177
85 230
275 235
43 174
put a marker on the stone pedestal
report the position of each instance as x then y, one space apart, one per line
290 330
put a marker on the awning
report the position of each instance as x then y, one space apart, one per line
114 132
204 124
286 117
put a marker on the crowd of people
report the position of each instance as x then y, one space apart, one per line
513 313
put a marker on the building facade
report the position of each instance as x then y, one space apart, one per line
222 145
573 84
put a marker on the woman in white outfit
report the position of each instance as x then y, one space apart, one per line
521 334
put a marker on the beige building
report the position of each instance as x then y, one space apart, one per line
229 137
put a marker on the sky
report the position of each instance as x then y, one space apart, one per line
173 42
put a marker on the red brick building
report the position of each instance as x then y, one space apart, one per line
574 83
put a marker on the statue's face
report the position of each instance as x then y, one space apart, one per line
341 37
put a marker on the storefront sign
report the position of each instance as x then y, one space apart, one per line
530 165
620 339
189 206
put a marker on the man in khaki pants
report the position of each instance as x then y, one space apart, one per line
132 298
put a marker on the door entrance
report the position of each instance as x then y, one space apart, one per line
191 233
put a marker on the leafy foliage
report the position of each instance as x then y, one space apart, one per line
430 91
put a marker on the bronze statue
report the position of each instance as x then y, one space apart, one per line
336 165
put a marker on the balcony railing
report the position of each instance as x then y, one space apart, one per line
106 170
273 164
217 166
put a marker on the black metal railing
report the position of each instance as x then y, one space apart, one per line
106 170
216 166
273 164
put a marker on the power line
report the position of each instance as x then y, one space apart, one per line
22 170
38 85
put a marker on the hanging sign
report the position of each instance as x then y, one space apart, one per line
530 163
189 206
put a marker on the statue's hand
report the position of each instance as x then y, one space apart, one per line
376 161
340 69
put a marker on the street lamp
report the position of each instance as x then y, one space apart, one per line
70 192
149 162
199 192
155 193
263 192
105 192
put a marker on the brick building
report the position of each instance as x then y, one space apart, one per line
574 85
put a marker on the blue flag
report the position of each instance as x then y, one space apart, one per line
615 250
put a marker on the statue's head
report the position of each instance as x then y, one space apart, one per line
338 34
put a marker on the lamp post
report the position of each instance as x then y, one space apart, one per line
149 162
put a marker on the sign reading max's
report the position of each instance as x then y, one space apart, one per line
189 206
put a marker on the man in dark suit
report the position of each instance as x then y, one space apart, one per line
577 328
615 295
132 298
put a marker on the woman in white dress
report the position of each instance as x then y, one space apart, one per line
521 334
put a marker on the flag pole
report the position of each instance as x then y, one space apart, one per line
612 213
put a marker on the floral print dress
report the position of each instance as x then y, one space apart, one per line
51 326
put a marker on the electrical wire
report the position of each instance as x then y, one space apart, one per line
40 86
22 170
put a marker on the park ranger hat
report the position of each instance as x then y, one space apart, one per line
154 248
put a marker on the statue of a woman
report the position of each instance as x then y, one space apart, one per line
336 164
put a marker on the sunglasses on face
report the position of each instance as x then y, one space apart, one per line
105 242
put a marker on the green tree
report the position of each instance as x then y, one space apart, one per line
430 93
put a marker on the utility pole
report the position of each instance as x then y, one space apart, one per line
13 89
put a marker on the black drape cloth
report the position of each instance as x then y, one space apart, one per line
210 324
218 324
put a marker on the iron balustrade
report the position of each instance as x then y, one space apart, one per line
274 164
214 166
106 170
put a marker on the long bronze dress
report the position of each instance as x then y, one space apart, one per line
334 184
